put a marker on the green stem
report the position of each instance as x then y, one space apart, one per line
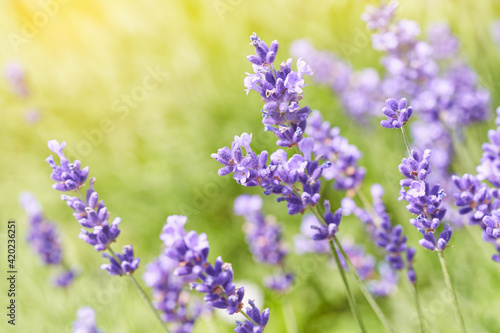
456 307
141 292
350 298
365 291
289 314
407 143
419 308
248 318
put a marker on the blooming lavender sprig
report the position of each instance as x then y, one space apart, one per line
85 321
258 323
325 142
397 113
281 90
89 211
44 240
169 295
279 177
264 237
190 251
127 263
384 235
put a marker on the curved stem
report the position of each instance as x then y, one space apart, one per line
456 307
419 308
141 292
248 318
407 143
350 297
364 290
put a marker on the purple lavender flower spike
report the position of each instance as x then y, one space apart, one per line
332 220
189 252
280 283
397 113
68 176
190 249
281 90
259 320
410 256
65 278
475 199
85 322
42 235
168 294
489 169
264 237
128 264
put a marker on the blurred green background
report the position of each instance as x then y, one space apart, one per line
152 159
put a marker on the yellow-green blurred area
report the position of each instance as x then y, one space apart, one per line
144 91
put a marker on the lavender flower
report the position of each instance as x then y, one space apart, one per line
44 240
279 177
397 113
128 264
264 237
68 176
168 294
89 211
343 157
65 278
85 322
259 320
16 77
281 90
190 252
378 18
42 235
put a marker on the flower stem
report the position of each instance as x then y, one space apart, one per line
248 318
141 292
456 307
350 297
407 143
419 308
365 291
289 314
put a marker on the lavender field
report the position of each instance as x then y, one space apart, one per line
264 166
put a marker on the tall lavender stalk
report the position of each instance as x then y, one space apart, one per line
296 180
424 198
93 214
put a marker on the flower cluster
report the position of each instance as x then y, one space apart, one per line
424 200
388 237
396 112
327 143
43 239
89 211
281 89
478 201
85 321
169 296
264 236
190 251
365 264
279 177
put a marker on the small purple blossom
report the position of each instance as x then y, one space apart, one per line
128 264
85 321
329 229
189 251
397 113
68 176
259 320
16 77
65 278
169 296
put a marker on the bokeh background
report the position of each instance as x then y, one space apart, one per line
152 157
